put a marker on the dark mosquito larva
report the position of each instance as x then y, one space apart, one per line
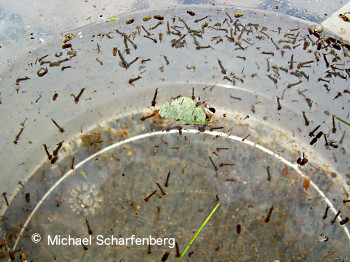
304 64
49 156
123 63
88 226
65 67
335 218
153 39
191 13
226 164
326 141
302 161
161 189
223 70
165 256
212 162
312 133
115 51
98 49
325 60
144 29
65 46
319 134
158 24
148 197
61 129
342 138
72 164
279 107
305 118
309 102
154 97
216 128
21 79
146 117
12 255
238 228
268 66
268 173
338 95
244 138
200 19
84 246
222 148
36 101
334 129
58 147
54 157
158 17
101 63
5 197
166 60
132 80
18 136
344 221
314 140
294 84
291 62
130 21
325 213
267 219
203 47
268 53
177 250
60 202
41 72
28 198
332 144
76 98
166 184
41 58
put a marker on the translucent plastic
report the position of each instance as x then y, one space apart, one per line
265 86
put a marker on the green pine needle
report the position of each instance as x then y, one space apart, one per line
83 174
341 120
197 233
194 122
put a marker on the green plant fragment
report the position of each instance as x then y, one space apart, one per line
343 121
197 233
182 108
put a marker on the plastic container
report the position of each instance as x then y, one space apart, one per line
265 86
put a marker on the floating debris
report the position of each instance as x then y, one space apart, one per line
183 108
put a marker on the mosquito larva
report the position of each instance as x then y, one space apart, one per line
148 197
335 218
212 162
267 219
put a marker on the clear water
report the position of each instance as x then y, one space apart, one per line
246 162
117 166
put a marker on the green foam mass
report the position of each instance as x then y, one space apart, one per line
183 108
